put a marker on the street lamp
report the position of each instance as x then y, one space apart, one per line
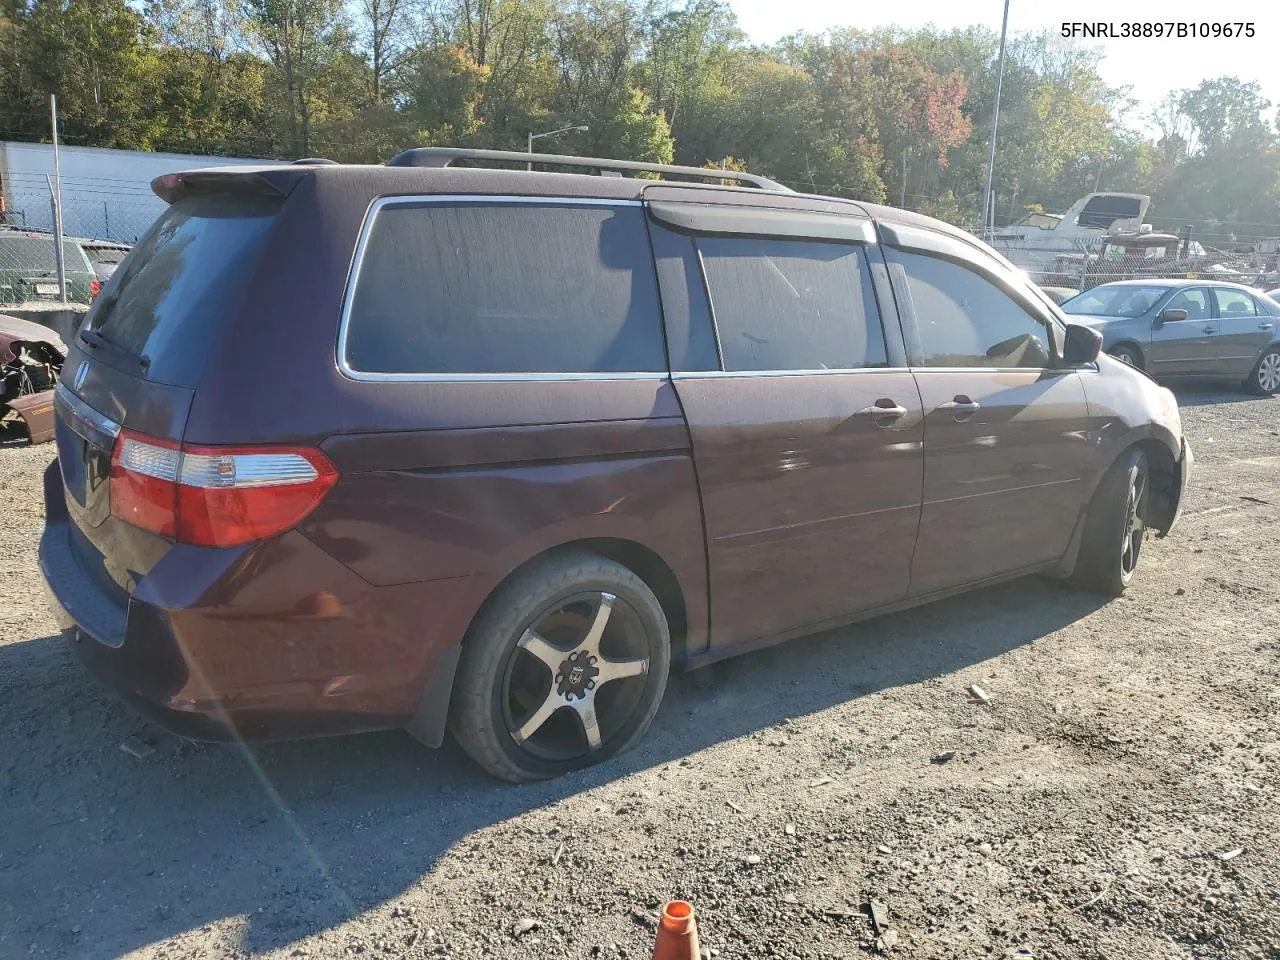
552 133
995 118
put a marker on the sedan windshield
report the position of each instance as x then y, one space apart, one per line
1115 300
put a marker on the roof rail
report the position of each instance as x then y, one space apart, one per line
314 162
446 156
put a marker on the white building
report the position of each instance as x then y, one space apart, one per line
106 194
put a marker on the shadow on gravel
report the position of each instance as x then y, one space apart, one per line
14 434
102 853
1207 393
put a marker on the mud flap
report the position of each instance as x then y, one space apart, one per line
1173 509
429 721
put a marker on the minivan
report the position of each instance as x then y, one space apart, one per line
444 446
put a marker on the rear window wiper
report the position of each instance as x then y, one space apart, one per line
96 341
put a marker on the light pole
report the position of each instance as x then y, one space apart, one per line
552 133
995 118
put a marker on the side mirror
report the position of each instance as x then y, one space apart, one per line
1083 345
1170 316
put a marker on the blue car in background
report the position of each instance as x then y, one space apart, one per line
1187 328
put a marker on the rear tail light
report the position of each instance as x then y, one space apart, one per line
95 288
215 496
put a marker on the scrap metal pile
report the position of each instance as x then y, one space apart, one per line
31 357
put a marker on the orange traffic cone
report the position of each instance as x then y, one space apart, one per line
677 933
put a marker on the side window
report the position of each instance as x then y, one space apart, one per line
1234 303
491 287
1195 301
691 341
792 304
965 320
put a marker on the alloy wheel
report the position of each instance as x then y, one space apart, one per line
1269 373
575 677
1134 528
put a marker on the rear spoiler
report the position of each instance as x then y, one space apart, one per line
272 181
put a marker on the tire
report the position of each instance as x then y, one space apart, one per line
1127 354
533 683
1115 526
1265 379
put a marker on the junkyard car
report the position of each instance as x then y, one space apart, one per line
29 269
1187 328
350 447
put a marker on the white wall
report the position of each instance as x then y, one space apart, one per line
106 194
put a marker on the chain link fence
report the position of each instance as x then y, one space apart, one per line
101 220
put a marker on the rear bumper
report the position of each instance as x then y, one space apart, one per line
274 642
145 668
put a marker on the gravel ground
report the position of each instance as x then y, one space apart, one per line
1116 795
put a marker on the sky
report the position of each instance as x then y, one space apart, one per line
1152 67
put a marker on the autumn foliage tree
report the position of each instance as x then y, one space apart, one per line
878 115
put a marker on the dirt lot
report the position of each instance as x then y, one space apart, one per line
1117 796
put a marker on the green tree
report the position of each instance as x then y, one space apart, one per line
301 39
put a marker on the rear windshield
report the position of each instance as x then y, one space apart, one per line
170 296
100 255
21 252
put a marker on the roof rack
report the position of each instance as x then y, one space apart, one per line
447 156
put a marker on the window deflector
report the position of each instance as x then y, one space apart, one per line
729 220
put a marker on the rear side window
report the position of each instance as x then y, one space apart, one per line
1234 303
964 319
493 287
171 295
792 304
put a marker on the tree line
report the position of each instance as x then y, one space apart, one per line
886 115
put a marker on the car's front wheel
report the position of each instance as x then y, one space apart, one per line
565 667
1127 354
1115 526
1265 379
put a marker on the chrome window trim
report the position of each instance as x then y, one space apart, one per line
413 200
739 374
85 413
979 369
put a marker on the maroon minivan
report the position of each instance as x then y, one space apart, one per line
344 448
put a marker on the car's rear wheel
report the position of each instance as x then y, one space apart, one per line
1127 354
565 667
1115 526
1265 379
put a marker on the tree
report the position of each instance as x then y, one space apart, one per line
636 132
443 89
1221 111
383 29
300 38
92 54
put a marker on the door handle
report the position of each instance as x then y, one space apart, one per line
1209 330
1264 326
962 408
884 411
